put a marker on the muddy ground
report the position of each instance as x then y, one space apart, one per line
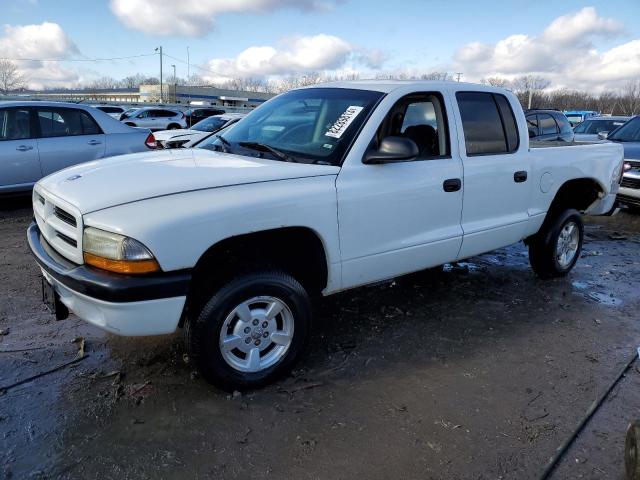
477 372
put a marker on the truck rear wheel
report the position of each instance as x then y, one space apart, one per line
555 249
251 331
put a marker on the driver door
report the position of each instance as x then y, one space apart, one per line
396 218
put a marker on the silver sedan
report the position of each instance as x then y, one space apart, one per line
39 138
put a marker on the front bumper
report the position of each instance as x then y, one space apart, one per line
122 304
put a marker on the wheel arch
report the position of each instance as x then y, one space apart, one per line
578 193
299 251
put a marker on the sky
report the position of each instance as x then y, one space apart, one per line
580 45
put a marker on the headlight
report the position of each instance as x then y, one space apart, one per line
116 253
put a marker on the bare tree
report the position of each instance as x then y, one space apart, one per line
528 88
10 77
496 82
630 99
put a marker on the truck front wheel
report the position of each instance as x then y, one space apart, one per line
555 249
251 331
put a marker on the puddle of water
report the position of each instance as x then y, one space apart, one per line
605 299
580 285
461 266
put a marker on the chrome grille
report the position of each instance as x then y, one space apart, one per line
629 182
64 216
60 224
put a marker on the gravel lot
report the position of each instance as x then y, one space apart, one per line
479 371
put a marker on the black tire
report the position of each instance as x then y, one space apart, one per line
632 452
542 246
173 126
203 331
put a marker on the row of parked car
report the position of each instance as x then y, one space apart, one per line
586 126
38 138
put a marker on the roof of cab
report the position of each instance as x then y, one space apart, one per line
387 86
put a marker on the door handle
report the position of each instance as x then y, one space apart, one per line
24 148
452 185
94 142
520 176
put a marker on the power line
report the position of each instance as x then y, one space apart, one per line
190 64
76 59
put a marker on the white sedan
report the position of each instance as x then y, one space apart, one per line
39 138
180 138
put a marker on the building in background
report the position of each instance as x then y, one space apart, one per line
230 100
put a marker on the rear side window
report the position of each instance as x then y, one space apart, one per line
547 124
166 113
488 123
111 109
89 125
532 125
65 122
15 124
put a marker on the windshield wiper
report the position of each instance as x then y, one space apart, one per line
266 148
226 144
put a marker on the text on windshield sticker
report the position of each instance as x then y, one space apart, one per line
343 121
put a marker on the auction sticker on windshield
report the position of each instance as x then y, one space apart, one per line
343 121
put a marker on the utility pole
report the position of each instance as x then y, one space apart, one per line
161 93
175 85
188 76
530 98
458 74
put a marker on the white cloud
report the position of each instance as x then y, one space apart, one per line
295 56
43 41
564 53
572 28
196 17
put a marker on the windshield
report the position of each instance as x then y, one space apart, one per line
629 132
310 125
596 126
574 118
210 124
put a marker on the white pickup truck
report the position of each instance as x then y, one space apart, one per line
319 190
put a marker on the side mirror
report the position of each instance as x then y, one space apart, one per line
603 135
392 149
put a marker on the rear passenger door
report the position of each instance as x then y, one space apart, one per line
496 168
19 165
67 136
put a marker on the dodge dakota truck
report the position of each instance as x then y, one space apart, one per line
319 190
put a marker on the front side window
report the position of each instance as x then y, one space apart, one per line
594 127
629 132
485 130
210 124
547 124
65 122
421 118
310 125
15 124
563 123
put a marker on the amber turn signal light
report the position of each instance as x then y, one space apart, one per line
131 267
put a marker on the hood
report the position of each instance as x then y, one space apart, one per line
129 178
631 150
168 134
